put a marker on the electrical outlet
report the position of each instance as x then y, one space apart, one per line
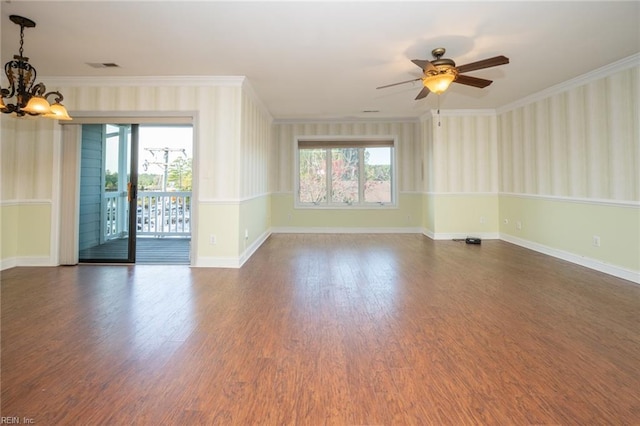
246 234
596 241
505 221
212 239
518 225
482 219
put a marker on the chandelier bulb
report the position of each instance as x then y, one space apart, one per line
37 105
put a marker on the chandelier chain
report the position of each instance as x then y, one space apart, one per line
21 50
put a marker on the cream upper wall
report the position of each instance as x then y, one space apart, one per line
217 107
464 152
408 152
26 161
217 151
255 148
427 163
581 143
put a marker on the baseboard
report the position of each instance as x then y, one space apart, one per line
237 262
459 235
217 262
10 262
329 230
607 268
248 252
232 262
13 262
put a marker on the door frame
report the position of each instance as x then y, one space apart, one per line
65 235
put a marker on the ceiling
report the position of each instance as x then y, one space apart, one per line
324 60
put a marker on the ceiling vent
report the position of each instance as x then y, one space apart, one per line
103 65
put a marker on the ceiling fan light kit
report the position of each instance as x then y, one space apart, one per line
439 81
441 72
30 97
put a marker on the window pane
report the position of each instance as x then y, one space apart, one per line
344 175
377 171
313 175
112 156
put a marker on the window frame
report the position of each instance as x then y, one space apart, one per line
359 142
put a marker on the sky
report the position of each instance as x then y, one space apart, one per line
156 137
163 137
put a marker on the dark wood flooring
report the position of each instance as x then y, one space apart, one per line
325 329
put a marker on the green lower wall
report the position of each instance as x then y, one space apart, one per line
408 214
228 223
562 225
570 226
464 214
222 221
255 219
26 230
9 231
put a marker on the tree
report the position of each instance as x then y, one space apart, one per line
148 181
180 174
345 175
313 167
110 181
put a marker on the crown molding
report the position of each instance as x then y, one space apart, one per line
433 113
146 81
251 93
606 71
346 120
463 112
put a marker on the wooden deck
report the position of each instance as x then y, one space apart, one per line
168 251
325 330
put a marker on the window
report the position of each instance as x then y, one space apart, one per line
344 173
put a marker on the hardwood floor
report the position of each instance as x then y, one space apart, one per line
325 329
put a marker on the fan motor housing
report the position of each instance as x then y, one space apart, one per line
443 62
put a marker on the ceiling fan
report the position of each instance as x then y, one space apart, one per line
441 72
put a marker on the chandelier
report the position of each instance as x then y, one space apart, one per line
30 97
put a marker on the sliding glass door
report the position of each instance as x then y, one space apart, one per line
108 193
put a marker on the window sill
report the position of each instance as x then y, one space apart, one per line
346 207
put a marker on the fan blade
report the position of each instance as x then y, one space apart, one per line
423 64
423 93
395 84
472 81
485 63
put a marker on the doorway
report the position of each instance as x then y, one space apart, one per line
135 193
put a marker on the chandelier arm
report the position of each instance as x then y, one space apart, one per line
58 99
38 90
31 75
8 70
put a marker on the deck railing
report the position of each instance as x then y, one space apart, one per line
158 214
